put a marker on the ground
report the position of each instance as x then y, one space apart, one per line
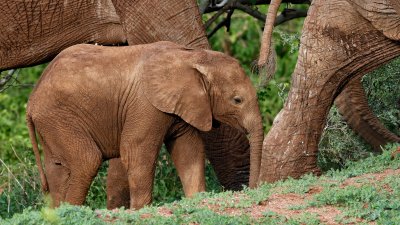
365 192
284 204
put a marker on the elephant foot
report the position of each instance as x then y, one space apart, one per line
291 153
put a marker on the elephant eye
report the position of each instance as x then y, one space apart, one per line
237 100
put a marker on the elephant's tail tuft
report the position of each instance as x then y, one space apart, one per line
32 137
267 59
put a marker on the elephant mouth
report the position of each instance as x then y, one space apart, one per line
234 124
216 123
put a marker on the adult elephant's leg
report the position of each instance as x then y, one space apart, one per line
152 20
118 194
228 151
353 105
187 152
337 45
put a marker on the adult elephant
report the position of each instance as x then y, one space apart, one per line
35 31
342 40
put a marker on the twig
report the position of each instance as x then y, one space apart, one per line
289 14
215 17
9 171
210 8
286 15
6 78
252 12
219 25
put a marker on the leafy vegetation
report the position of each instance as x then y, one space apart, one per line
367 200
339 144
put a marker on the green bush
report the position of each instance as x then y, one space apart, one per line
339 144
13 130
19 187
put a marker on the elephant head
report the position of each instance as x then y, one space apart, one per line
206 89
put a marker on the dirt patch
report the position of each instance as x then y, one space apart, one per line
287 205
291 205
373 177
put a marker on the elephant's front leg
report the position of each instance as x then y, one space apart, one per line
139 150
187 153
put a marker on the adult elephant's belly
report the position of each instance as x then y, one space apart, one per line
29 38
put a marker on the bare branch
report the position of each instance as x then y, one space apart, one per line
286 15
216 28
226 22
215 17
289 14
4 80
252 12
213 8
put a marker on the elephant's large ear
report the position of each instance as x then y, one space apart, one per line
173 86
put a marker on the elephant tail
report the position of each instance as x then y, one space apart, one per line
32 137
266 61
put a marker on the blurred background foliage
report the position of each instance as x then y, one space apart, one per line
19 181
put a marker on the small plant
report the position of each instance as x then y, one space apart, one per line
21 187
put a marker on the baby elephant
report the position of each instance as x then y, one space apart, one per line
95 103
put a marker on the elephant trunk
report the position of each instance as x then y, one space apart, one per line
256 136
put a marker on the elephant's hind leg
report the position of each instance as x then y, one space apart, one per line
72 161
84 168
117 185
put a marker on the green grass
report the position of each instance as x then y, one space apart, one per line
371 200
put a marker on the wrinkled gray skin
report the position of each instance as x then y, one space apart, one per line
342 40
33 32
94 103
